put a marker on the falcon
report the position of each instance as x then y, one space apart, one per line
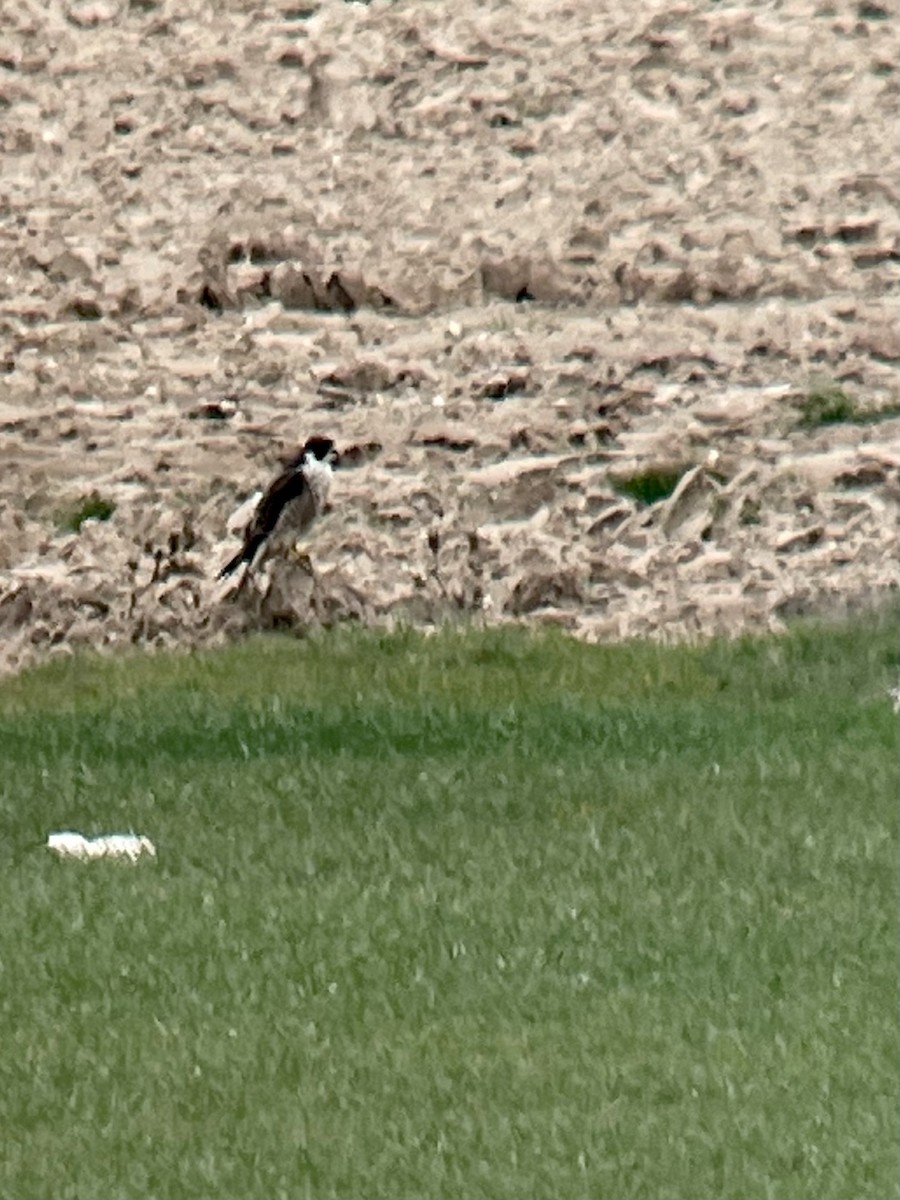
289 505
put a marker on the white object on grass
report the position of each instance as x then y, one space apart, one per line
129 846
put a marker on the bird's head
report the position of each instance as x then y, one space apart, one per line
321 448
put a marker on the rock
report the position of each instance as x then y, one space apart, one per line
16 607
94 12
881 341
799 539
874 459
374 375
740 409
523 278
214 410
325 288
446 434
518 487
510 470
543 590
502 383
690 508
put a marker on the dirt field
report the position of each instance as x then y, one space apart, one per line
512 256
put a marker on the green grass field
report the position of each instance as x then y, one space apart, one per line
482 915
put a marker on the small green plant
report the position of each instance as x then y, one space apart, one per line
649 486
827 404
750 510
90 508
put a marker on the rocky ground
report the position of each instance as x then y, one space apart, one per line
529 262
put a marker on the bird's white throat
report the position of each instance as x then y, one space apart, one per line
317 472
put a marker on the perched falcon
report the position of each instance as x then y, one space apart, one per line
289 504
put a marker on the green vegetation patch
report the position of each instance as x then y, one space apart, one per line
91 508
828 404
647 487
470 915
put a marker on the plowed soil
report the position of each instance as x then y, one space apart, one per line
532 264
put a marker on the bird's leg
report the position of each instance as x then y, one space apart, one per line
299 558
243 581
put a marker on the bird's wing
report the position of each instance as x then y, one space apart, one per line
281 491
237 522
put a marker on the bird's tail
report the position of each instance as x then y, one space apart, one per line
246 554
232 565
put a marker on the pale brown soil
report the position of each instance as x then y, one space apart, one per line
508 254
